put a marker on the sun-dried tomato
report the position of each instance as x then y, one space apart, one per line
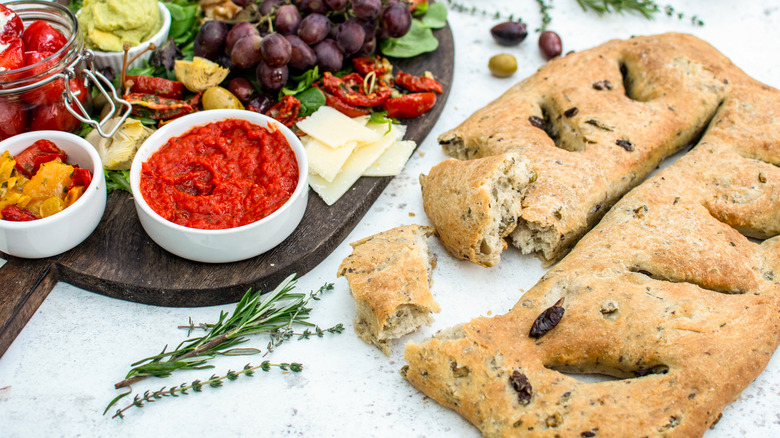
409 106
350 90
418 83
286 111
157 86
345 108
366 65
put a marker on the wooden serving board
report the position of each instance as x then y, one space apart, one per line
119 259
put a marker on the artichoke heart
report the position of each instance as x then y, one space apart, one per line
199 74
117 152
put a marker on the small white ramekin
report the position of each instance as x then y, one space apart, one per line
230 244
115 59
62 231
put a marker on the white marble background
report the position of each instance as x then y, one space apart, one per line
58 376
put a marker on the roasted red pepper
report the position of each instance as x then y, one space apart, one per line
418 83
42 151
157 86
80 177
409 106
13 213
350 90
366 65
286 111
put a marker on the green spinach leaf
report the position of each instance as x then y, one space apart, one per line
417 41
311 99
436 16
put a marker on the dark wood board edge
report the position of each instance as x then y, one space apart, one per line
26 283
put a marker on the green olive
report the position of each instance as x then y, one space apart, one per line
220 98
503 65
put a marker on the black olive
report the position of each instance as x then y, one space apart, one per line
550 44
547 320
510 33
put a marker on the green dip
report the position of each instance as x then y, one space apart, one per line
108 24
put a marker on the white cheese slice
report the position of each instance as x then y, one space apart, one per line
334 129
393 160
356 164
325 160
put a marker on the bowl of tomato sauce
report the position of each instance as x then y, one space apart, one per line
52 193
220 186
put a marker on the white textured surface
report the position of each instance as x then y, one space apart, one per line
57 377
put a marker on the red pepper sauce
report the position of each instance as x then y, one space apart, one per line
221 175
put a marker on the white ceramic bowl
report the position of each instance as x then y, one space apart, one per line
230 244
115 59
64 230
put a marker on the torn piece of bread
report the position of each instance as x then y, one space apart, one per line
389 275
475 204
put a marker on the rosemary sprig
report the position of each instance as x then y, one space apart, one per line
255 313
196 385
647 8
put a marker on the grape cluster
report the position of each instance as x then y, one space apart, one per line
294 36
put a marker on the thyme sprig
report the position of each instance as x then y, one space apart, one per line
279 309
214 381
544 10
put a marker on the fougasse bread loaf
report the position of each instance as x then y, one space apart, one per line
474 203
594 124
389 275
675 293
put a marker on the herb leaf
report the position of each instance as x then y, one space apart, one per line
436 16
311 99
417 41
255 313
117 180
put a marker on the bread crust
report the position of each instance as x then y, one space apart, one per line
667 293
611 114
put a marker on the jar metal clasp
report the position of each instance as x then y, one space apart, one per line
117 105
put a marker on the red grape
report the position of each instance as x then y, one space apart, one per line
396 20
303 56
246 52
287 20
272 79
350 37
239 31
336 5
275 50
329 55
314 28
210 39
366 9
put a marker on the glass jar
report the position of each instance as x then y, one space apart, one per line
55 93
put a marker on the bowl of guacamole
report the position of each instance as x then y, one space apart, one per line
107 25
